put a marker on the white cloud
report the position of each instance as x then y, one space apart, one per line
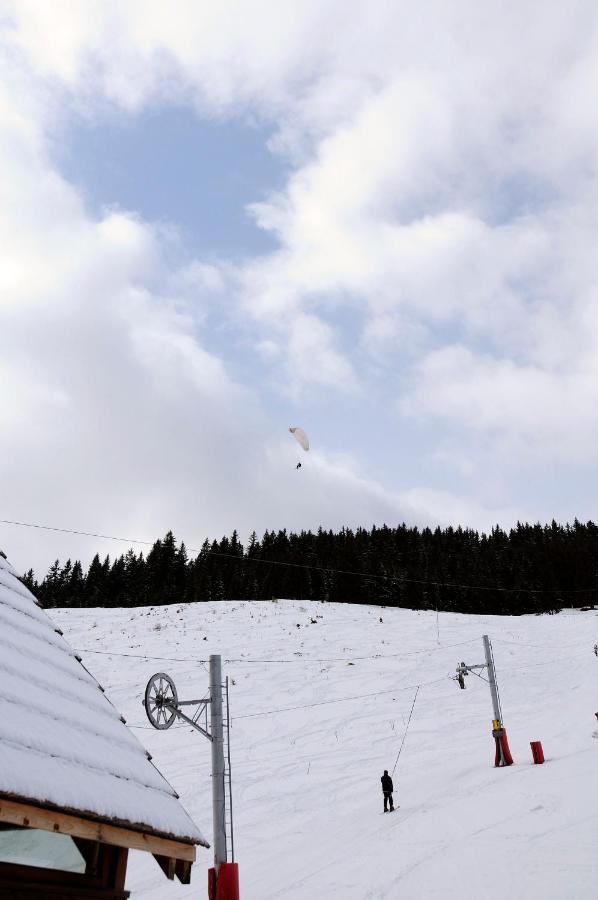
442 199
312 357
525 408
115 415
443 508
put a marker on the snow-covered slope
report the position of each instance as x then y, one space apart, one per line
307 800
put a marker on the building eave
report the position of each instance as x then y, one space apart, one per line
21 811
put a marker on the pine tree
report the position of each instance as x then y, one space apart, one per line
95 583
30 582
50 588
75 589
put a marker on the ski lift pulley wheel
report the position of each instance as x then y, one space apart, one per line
161 700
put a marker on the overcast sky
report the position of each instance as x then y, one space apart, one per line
376 220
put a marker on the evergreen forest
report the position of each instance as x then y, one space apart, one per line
530 569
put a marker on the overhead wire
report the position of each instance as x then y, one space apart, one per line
141 655
303 659
547 662
357 658
105 537
537 646
269 712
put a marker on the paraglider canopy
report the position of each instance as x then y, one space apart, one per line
300 436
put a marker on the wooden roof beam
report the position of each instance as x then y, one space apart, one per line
171 867
17 813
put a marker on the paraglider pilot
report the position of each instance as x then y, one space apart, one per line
387 790
301 438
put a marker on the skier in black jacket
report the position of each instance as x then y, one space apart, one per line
387 790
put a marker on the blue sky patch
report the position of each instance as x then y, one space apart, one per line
169 165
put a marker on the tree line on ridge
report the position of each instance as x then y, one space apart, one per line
531 568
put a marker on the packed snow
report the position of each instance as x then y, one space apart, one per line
320 698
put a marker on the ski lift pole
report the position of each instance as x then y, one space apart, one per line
223 880
503 754
217 731
224 877
230 778
163 708
492 680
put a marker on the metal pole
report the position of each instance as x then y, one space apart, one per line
230 777
218 795
492 680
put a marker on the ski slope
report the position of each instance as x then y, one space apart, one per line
306 778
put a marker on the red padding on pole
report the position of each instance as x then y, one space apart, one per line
226 885
228 882
537 752
502 756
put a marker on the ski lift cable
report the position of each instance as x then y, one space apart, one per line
269 712
546 662
274 562
407 687
358 658
303 659
407 726
424 684
536 646
142 656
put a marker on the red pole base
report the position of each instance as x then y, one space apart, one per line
225 886
537 752
502 756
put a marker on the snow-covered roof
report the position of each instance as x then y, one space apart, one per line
61 740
